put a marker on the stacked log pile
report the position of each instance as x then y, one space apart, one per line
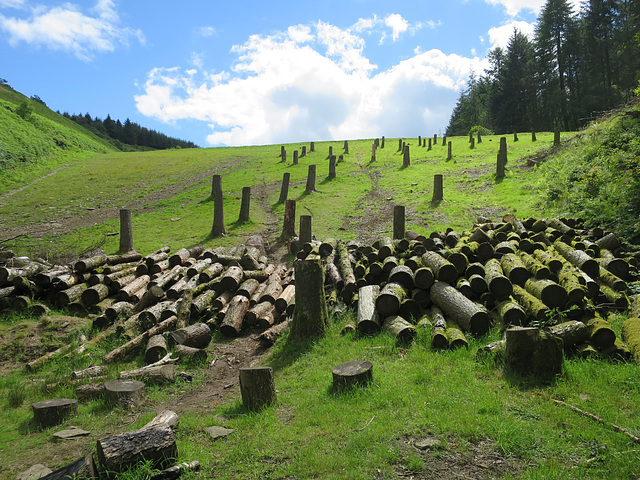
527 273
181 296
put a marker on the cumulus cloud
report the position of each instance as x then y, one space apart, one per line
68 29
397 24
310 83
499 36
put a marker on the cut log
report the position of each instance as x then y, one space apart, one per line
578 258
368 320
439 337
350 287
232 278
233 318
397 326
165 418
89 391
128 394
352 374
190 354
257 387
155 444
176 471
514 268
551 294
443 270
390 298
402 275
82 469
48 413
631 336
272 290
571 332
157 374
248 287
536 310
499 285
86 264
269 337
92 371
156 349
455 336
601 334
310 316
469 315
511 313
197 335
138 341
287 295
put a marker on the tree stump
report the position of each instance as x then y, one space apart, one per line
305 229
449 152
284 188
295 157
351 374
218 210
310 316
156 444
257 387
312 146
289 226
245 205
48 413
126 231
406 159
398 222
332 167
304 151
311 179
127 394
346 147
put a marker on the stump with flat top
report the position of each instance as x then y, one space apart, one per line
128 394
351 374
257 387
48 413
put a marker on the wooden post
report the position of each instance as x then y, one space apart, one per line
305 229
515 136
398 222
340 158
312 147
437 188
470 137
284 189
332 166
435 139
289 227
310 316
311 179
295 157
218 210
533 136
406 160
444 141
449 153
472 142
330 151
257 387
373 152
419 140
304 151
503 145
429 145
479 137
346 147
245 205
400 145
556 137
284 156
126 232
283 152
382 145
501 161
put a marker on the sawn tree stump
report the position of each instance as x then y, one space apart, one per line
350 374
48 413
257 387
128 394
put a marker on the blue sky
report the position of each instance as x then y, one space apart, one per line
256 72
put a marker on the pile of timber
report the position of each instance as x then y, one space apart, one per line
162 294
532 272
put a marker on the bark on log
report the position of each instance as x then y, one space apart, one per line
499 285
455 336
89 391
269 337
233 318
511 313
423 278
48 413
197 335
514 268
469 315
536 310
368 319
285 298
86 264
156 444
551 294
190 353
631 336
310 316
176 471
82 469
578 258
136 342
439 337
444 270
397 326
346 269
157 374
231 279
260 310
601 334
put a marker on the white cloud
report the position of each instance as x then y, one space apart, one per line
206 31
397 24
499 36
12 3
66 28
310 83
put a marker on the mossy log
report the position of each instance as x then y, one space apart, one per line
533 306
631 336
617 266
368 319
385 247
515 269
551 261
401 329
402 275
612 281
232 278
410 310
458 258
601 334
615 299
469 315
478 283
551 294
578 258
439 337
86 264
212 271
346 269
141 339
70 295
511 312
201 303
389 299
444 270
572 332
455 336
269 336
499 285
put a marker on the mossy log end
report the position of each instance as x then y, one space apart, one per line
551 294
443 269
469 315
397 326
390 298
499 285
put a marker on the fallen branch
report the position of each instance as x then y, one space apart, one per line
598 419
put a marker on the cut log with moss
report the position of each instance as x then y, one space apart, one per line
572 332
402 275
389 299
401 329
515 269
511 313
578 258
631 336
140 340
469 315
613 298
439 337
497 282
368 319
551 294
234 316
350 287
601 334
444 270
